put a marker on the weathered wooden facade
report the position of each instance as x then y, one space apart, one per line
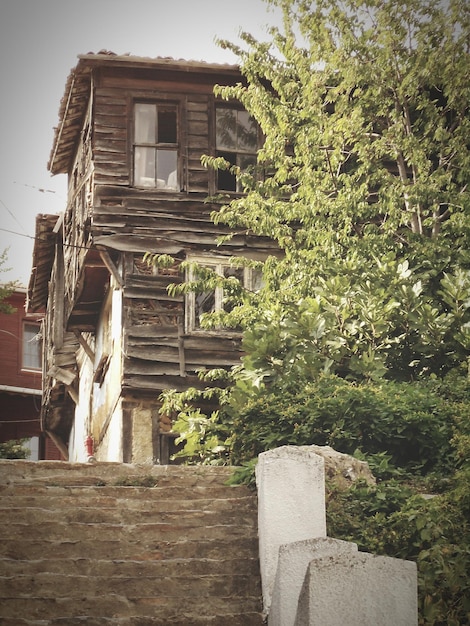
130 138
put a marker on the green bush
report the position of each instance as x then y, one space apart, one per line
410 422
14 449
416 438
394 520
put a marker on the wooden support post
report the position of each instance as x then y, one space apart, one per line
107 260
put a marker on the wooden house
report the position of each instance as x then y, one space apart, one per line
130 138
20 379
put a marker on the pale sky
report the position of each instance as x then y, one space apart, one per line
39 44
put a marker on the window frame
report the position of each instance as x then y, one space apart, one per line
162 100
30 355
232 106
219 265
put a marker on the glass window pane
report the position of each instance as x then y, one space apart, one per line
237 272
32 447
166 124
32 347
145 123
226 129
257 281
246 132
204 303
246 161
226 181
166 169
144 167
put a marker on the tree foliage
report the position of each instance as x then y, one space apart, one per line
362 181
6 289
360 336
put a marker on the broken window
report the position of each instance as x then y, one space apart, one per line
156 146
237 143
32 347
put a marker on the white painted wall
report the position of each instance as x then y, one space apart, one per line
106 408
99 406
111 448
77 450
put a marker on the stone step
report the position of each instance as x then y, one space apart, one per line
119 474
126 568
246 619
241 515
46 585
153 549
43 505
163 531
120 545
120 608
197 492
116 495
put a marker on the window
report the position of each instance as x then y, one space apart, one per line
156 146
214 300
32 347
236 142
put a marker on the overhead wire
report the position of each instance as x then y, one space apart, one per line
34 238
12 215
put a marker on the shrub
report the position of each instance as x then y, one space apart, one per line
410 422
14 449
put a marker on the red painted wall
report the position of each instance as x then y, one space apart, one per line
12 372
20 410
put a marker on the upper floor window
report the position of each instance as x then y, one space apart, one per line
236 142
156 145
32 347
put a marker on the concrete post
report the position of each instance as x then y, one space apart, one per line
291 505
294 559
359 589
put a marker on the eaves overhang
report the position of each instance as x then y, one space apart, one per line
43 260
78 87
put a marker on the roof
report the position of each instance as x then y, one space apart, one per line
77 89
43 258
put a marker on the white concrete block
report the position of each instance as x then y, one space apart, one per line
294 559
291 505
359 589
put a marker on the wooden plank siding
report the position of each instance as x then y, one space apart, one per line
110 137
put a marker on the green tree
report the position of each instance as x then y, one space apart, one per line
363 182
6 289
360 336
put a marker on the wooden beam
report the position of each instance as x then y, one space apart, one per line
83 342
65 376
107 260
72 393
